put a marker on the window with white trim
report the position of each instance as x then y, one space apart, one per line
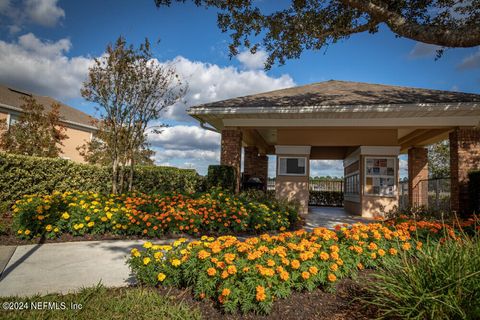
380 176
292 166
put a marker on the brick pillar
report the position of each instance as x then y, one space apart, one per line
417 171
250 161
231 151
262 170
255 165
464 156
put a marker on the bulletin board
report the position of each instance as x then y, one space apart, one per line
380 176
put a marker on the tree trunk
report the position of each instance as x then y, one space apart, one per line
131 174
121 177
115 176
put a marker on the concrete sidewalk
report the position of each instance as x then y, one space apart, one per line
66 267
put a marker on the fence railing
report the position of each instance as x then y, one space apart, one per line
323 185
437 194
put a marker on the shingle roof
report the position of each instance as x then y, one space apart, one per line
339 93
13 97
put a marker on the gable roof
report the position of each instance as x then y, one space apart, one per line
11 98
341 93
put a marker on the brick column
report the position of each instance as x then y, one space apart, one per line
250 161
231 151
255 165
417 171
464 157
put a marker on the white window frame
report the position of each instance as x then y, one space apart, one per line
395 173
291 174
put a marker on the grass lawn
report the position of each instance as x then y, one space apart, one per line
104 303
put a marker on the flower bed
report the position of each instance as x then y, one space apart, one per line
249 275
80 213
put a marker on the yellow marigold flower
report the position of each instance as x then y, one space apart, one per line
161 276
134 252
87 218
305 275
260 296
373 255
176 262
381 252
104 219
295 264
90 224
146 260
226 292
56 230
211 272
49 227
19 231
331 277
65 215
147 245
27 232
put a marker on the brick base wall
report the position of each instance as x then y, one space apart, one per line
417 171
464 157
231 151
255 165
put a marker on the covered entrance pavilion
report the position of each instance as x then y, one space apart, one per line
365 125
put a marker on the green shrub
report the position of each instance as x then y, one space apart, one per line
326 198
21 175
441 282
474 190
221 176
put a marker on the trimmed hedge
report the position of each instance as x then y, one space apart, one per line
474 190
21 175
326 198
221 176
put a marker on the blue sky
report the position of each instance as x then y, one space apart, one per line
46 46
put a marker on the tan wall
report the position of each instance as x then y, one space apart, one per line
338 137
3 117
75 139
375 206
294 187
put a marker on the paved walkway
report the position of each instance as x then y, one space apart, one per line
329 217
66 267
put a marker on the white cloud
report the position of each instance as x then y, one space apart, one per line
42 66
4 6
210 82
182 137
191 155
326 168
253 61
470 62
423 50
44 12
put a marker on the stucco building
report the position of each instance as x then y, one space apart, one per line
365 125
78 124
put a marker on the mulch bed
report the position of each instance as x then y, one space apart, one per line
317 304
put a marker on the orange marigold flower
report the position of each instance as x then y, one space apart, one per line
381 252
392 251
203 254
284 275
260 296
224 274
226 292
313 270
360 266
406 246
324 255
211 272
295 264
334 267
332 277
305 275
419 245
270 263
231 269
373 255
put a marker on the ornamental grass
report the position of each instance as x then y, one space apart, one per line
250 275
80 213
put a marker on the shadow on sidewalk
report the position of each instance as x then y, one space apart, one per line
22 259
